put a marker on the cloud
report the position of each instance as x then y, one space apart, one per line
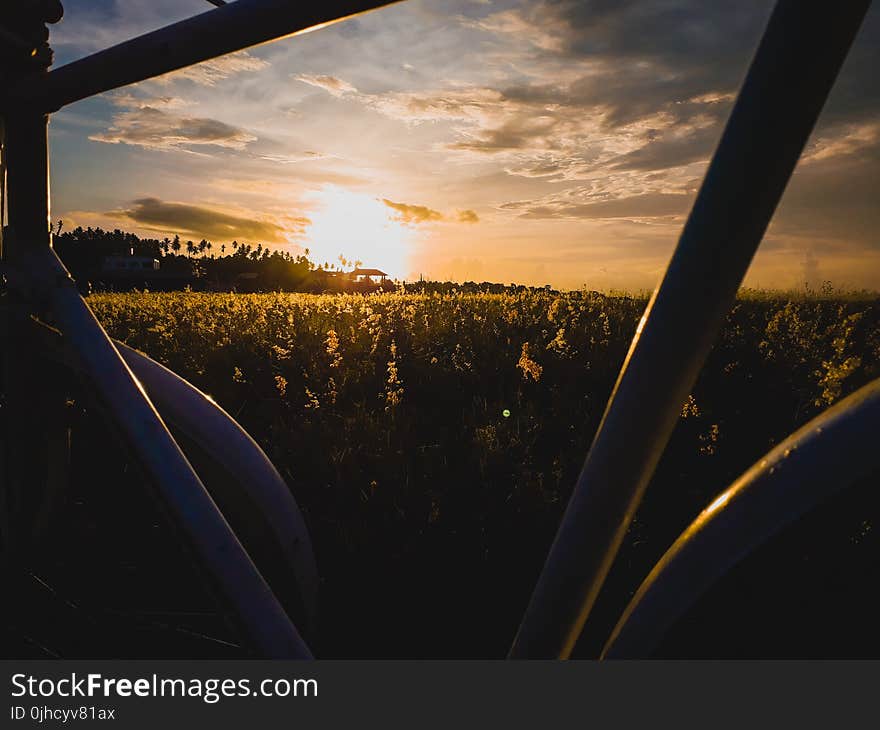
295 158
330 84
147 124
627 100
471 103
208 73
833 198
608 78
634 207
515 23
557 132
682 58
636 57
127 100
204 222
844 140
413 213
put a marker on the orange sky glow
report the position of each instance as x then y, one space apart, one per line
541 142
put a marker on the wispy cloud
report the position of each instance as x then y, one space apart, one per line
843 141
330 84
208 73
633 207
294 158
148 123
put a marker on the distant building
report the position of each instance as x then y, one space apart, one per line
368 276
134 264
122 273
362 281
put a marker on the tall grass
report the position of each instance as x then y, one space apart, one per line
433 440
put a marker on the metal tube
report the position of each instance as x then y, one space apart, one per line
214 33
827 455
791 75
257 501
28 252
261 617
27 181
26 160
252 495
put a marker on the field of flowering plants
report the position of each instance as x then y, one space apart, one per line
432 439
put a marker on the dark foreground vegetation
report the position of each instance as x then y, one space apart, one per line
432 441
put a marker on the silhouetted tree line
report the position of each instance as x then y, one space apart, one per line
204 265
201 265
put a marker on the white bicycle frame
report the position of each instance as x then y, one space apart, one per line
790 77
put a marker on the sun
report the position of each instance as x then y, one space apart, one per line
360 228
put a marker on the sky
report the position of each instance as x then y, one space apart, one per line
540 142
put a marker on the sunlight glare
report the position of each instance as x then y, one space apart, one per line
359 227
